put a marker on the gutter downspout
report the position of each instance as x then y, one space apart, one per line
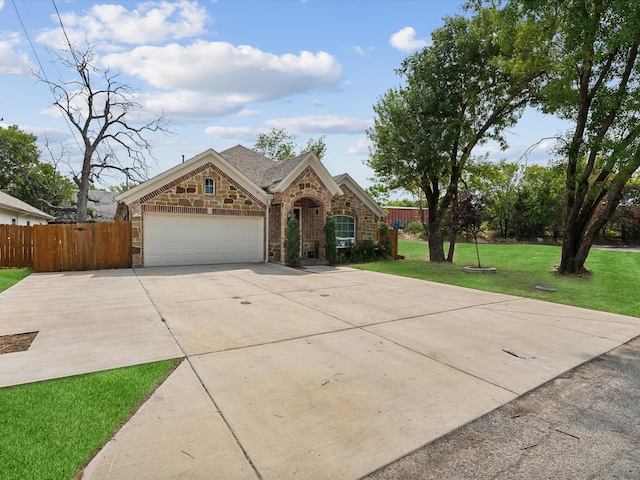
266 233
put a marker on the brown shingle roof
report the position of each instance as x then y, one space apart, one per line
280 170
251 163
261 170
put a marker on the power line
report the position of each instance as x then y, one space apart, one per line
42 70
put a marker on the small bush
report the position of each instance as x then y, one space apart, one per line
415 228
293 243
330 242
385 240
363 252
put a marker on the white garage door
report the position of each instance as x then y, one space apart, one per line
171 239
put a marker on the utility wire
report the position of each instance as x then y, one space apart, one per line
42 70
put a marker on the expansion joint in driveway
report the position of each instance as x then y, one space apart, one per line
440 361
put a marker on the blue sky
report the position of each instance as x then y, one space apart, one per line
225 71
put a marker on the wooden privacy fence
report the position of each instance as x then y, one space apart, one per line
85 246
16 246
60 248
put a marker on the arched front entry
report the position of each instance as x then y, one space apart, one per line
312 216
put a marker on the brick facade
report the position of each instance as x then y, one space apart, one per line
308 193
351 205
307 196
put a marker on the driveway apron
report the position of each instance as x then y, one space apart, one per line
334 374
86 322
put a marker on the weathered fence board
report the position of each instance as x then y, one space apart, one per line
393 238
16 246
87 246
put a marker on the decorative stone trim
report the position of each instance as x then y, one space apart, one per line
201 211
187 176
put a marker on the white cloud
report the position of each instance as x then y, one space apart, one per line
232 133
1 4
405 41
13 62
248 113
148 22
220 78
361 51
323 124
244 72
361 147
547 144
189 107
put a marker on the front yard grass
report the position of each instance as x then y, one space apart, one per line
11 276
51 429
611 285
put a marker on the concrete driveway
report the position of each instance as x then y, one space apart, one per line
329 374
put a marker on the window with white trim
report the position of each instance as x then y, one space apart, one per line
209 187
345 230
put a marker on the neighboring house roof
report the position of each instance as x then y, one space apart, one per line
345 179
8 202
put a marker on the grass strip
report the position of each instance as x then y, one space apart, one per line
50 429
610 286
10 276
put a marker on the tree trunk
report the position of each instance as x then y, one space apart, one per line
452 245
436 242
434 222
575 250
582 226
83 192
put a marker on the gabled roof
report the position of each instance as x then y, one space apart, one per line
256 173
274 176
345 179
184 168
283 175
13 204
251 163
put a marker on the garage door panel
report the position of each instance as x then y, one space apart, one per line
172 239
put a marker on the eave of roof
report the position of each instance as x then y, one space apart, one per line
181 169
16 205
292 168
359 191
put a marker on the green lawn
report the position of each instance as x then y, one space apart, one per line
11 276
611 285
50 429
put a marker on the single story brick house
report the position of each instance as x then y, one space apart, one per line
233 206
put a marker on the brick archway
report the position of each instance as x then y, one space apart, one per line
312 213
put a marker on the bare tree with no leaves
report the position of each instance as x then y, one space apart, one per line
101 109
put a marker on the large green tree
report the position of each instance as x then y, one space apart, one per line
27 177
539 202
496 183
596 86
279 144
471 83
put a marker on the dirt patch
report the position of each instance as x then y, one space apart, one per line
19 342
